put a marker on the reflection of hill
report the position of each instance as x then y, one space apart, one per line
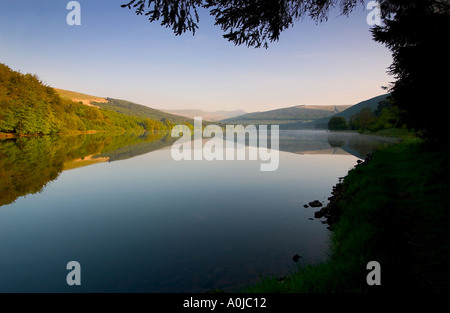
82 162
139 147
325 142
28 164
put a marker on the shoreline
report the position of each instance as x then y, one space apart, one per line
84 132
392 208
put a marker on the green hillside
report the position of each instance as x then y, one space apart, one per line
134 109
28 107
301 114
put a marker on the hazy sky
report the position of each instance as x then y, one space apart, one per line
115 53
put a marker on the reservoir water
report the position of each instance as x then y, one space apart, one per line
136 220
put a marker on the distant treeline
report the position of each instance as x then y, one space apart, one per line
386 116
27 106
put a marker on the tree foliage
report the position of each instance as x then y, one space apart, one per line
417 31
337 123
363 119
386 116
253 23
27 106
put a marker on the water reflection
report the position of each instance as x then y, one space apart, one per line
28 164
324 142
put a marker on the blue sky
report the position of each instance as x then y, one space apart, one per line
114 53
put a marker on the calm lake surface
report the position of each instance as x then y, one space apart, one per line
138 221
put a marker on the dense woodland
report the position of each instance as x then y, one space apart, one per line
27 106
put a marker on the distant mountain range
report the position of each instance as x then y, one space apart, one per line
301 113
304 116
48 110
206 115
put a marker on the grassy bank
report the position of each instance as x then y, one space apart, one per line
394 210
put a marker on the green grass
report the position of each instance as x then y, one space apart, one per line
394 211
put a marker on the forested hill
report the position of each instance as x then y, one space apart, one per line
123 106
27 106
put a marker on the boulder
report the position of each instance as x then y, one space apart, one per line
319 214
315 204
295 258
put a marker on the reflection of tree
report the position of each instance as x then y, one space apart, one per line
27 164
353 143
336 141
363 146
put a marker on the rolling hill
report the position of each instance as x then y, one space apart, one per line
304 116
131 108
297 114
206 115
297 117
79 97
371 103
30 107
123 107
